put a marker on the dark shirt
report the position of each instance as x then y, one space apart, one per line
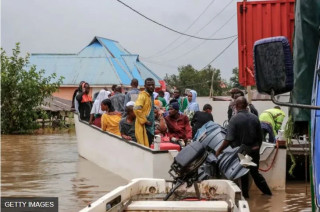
232 109
84 107
179 128
244 128
131 96
127 128
199 119
117 101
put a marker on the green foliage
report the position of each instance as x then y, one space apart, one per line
288 132
234 80
200 81
22 93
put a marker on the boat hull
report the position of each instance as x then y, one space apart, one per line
131 160
125 158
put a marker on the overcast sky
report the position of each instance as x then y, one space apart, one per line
67 26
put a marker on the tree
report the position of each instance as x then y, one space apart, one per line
22 92
200 81
234 80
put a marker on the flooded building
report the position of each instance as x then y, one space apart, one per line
102 63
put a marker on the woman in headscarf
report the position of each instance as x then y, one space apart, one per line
193 106
111 119
96 112
157 102
167 97
85 102
75 103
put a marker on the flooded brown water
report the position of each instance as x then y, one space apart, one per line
49 165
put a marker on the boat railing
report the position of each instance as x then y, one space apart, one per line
120 138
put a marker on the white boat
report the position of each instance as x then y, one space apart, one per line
147 195
125 158
131 160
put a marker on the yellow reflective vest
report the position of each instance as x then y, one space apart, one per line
274 117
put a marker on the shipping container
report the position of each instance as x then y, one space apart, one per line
256 20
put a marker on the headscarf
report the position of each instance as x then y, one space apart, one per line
157 103
131 103
193 105
167 96
103 94
175 105
155 95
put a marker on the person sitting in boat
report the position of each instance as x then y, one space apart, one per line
117 99
161 98
85 102
244 130
200 118
178 125
167 97
160 126
156 102
127 129
111 119
143 108
96 112
193 106
271 121
166 113
183 102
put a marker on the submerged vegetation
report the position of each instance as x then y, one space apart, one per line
23 90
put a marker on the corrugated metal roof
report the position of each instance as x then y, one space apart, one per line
55 104
102 62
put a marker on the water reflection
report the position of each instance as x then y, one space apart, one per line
49 165
296 197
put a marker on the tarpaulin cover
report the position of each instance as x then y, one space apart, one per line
305 42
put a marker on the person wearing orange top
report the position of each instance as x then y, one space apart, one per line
111 119
85 102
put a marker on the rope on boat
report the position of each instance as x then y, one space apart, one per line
273 160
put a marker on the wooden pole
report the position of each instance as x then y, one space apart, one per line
211 88
249 94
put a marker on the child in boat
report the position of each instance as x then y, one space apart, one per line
127 123
110 120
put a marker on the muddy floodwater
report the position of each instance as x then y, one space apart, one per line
48 165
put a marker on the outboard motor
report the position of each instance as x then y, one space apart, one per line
197 161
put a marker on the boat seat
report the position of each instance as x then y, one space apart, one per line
178 206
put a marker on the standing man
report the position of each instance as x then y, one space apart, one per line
143 108
117 99
235 93
200 118
133 94
183 101
244 130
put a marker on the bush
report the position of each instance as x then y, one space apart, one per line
22 92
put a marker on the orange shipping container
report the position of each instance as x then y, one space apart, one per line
256 20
